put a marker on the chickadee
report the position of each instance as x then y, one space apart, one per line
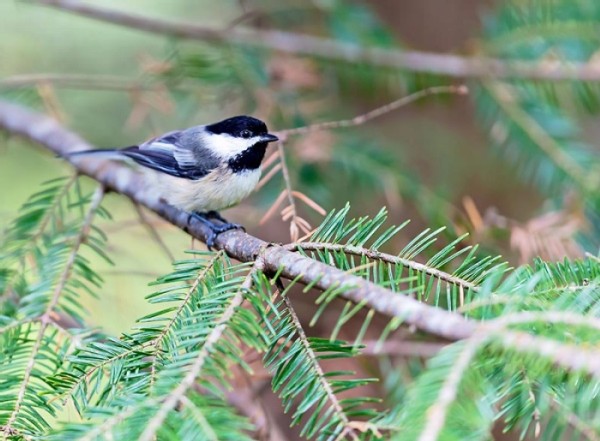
202 169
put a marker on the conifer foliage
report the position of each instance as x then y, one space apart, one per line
343 362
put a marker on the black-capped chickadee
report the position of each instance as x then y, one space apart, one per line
202 169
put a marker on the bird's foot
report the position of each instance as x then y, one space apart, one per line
230 225
215 229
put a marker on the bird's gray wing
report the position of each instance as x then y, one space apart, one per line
168 154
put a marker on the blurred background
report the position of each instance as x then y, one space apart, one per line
514 163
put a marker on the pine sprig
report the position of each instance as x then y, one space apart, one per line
353 245
157 366
51 294
298 378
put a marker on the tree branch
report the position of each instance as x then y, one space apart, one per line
440 64
45 131
377 255
74 81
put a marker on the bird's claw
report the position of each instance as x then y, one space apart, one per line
215 229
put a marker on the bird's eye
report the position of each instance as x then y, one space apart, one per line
246 133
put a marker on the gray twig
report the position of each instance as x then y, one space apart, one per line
416 61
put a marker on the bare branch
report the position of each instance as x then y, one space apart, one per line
379 111
152 230
416 61
403 348
73 81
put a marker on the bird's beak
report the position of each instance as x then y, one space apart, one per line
269 138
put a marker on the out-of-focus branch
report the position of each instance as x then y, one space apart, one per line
74 81
441 64
376 255
45 131
372 114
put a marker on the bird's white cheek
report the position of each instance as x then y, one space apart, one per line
226 146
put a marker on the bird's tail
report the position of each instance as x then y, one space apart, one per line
114 154
98 153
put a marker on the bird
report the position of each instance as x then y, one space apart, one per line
202 169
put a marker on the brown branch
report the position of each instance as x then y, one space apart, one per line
379 111
153 233
74 81
404 348
21 121
416 61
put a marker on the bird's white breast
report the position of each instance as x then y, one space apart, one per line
218 190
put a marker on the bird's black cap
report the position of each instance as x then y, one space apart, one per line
236 125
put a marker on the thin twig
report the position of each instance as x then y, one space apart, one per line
286 176
288 188
384 257
372 114
402 348
332 398
45 318
415 61
356 121
74 81
146 223
290 212
159 338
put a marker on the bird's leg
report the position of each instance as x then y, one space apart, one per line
215 215
215 229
